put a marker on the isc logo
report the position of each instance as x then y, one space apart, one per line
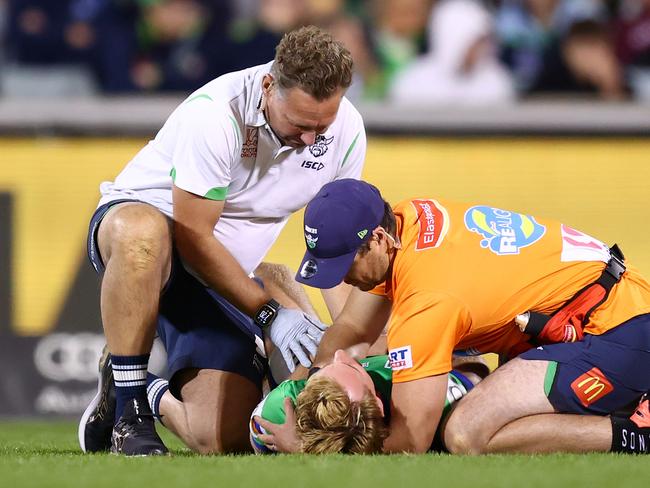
400 358
315 165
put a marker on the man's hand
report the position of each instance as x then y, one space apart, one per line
296 334
281 437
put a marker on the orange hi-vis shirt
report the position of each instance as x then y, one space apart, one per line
464 272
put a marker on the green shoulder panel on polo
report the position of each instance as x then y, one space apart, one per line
217 193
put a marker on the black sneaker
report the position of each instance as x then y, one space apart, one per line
97 421
134 433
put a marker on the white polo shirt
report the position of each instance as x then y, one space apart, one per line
217 144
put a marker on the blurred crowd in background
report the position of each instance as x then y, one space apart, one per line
453 52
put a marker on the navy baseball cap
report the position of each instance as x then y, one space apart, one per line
338 221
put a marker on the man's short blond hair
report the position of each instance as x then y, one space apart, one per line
327 421
309 58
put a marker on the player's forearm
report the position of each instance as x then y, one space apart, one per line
357 327
416 409
221 271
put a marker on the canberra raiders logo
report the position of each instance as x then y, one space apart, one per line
310 239
319 147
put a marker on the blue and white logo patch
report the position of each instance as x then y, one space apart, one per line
400 358
310 239
504 232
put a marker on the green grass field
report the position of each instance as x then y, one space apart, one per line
44 454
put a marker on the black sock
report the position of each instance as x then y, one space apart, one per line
628 437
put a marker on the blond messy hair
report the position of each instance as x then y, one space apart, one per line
309 58
327 421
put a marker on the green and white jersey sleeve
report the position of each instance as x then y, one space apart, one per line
272 407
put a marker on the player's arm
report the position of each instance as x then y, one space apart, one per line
293 332
420 346
194 221
416 407
357 327
207 144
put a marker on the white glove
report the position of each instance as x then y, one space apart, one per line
296 334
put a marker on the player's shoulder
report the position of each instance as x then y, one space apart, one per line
375 363
229 93
237 83
429 211
273 409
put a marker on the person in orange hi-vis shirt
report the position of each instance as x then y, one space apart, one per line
567 313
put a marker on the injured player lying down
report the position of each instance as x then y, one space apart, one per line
343 406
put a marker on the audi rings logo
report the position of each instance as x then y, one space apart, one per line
65 357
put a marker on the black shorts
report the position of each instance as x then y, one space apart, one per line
602 374
198 327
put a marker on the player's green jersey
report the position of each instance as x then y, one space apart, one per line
271 408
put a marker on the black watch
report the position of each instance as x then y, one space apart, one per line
266 314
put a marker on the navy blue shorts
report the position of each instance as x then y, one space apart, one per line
602 374
198 327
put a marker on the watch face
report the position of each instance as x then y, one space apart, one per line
265 314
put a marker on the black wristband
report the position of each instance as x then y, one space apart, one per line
312 371
266 314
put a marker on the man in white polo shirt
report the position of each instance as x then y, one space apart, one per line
179 233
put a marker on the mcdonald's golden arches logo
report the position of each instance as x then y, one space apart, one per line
591 386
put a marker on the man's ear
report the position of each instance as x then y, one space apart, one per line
380 233
381 405
267 83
